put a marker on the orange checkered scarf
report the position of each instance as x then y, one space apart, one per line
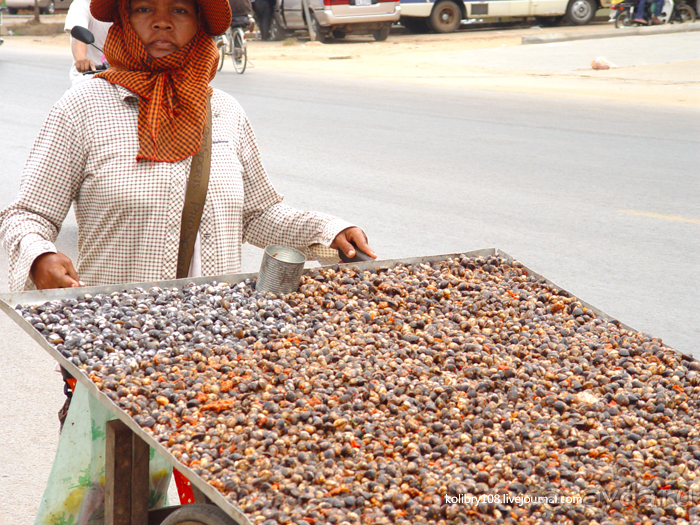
172 89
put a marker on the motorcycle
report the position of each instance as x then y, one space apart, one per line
615 10
672 12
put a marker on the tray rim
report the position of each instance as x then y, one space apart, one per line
8 303
36 297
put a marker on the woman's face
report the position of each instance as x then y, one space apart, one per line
164 26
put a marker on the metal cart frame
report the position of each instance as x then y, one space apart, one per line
126 475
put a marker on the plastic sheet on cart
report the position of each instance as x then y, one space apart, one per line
74 494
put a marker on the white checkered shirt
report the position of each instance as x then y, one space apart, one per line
129 213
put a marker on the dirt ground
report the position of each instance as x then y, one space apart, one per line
448 61
462 60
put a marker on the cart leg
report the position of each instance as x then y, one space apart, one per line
127 486
126 476
140 482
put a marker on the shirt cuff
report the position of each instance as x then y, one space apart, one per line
31 246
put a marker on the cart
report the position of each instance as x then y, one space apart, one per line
126 476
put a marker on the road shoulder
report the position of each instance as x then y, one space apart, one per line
488 59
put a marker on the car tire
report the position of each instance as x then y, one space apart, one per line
549 21
49 9
581 12
383 33
445 17
338 34
416 25
320 35
276 32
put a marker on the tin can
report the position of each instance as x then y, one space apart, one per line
280 270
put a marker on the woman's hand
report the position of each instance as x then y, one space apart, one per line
356 235
54 270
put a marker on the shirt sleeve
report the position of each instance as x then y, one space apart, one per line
266 220
50 182
78 15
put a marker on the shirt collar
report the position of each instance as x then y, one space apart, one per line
125 94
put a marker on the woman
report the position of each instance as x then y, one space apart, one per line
119 148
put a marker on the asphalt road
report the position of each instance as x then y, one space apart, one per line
603 199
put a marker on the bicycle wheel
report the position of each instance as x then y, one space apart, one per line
239 52
221 48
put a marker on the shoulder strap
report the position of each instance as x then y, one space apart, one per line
195 196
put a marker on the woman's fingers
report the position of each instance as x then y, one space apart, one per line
343 240
363 245
71 276
65 281
342 243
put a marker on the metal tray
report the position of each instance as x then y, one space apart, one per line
8 302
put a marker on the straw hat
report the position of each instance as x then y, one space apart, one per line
216 13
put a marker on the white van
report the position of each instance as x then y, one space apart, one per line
445 16
336 18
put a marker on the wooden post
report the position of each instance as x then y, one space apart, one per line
126 476
118 474
140 486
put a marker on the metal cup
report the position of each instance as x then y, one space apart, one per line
280 270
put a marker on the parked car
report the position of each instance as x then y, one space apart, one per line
46 7
445 16
336 18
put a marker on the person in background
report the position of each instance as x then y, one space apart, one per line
240 8
241 11
658 7
264 10
85 57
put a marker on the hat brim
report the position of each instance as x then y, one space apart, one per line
215 13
